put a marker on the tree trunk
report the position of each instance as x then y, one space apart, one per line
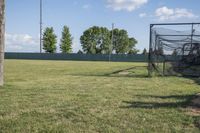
2 38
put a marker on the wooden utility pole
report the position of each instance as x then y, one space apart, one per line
2 38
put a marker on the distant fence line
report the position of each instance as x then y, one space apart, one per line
77 57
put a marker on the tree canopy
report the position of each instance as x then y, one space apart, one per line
49 40
96 40
132 45
120 41
66 41
145 51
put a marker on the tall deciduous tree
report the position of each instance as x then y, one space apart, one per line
96 40
132 45
49 40
160 51
175 53
2 38
66 41
122 43
145 51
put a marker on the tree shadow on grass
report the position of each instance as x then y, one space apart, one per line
183 101
152 105
196 80
112 76
119 73
178 97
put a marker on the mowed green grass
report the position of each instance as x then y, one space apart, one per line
67 96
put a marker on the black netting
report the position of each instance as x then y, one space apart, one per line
175 50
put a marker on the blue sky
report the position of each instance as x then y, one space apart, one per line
22 18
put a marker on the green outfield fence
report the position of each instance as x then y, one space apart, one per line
77 57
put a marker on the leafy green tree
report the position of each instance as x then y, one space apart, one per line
66 41
132 45
120 41
49 40
175 53
145 51
96 40
160 51
133 51
122 44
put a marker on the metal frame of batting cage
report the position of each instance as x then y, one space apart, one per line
150 68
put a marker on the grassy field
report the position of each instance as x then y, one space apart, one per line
58 96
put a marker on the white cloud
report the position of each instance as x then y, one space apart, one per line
21 43
142 15
127 5
165 13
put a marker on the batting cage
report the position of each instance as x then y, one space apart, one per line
174 49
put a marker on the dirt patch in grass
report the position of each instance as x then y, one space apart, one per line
124 73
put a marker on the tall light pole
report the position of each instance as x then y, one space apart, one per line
112 41
2 39
41 36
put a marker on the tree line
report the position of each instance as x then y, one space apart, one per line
50 40
95 40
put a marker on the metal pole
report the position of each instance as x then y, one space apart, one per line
192 34
41 26
112 41
175 24
164 66
150 52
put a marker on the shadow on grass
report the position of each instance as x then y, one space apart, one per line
178 97
197 80
122 70
113 76
184 100
117 73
